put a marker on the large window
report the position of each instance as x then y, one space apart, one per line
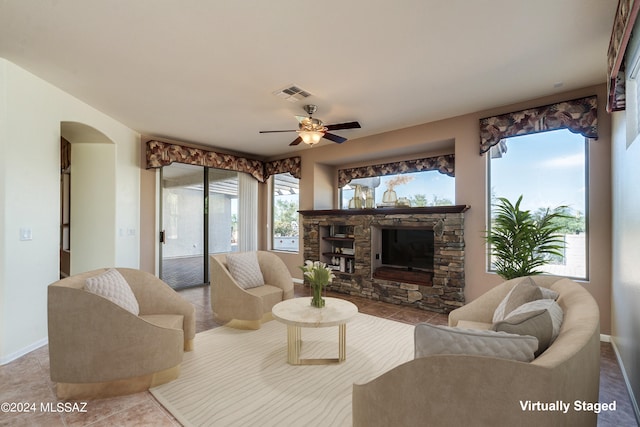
428 188
284 214
549 170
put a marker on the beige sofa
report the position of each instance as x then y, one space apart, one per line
248 308
446 390
99 349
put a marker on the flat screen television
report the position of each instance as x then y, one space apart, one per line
407 247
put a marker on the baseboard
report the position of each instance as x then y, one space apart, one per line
605 338
298 281
28 349
634 402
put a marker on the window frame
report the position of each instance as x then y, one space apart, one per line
381 189
272 219
587 208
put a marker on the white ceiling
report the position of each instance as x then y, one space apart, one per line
204 71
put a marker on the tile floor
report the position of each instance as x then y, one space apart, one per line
27 379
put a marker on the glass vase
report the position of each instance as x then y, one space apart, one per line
317 300
358 197
389 197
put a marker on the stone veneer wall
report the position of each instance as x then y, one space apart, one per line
447 289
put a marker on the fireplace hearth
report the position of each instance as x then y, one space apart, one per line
427 269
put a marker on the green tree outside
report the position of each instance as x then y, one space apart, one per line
285 218
420 200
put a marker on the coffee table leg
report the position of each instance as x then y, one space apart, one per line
342 342
294 346
294 341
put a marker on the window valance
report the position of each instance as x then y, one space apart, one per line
291 165
163 154
443 164
623 23
578 116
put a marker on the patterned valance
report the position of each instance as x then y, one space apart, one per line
163 154
578 116
291 165
623 23
443 164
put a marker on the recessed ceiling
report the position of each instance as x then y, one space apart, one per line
206 71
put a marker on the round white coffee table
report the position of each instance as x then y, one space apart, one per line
298 313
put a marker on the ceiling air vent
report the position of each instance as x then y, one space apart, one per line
292 93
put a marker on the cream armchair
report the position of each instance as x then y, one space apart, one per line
99 349
248 308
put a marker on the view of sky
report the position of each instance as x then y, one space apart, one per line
547 168
430 184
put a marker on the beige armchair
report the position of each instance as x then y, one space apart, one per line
237 307
99 349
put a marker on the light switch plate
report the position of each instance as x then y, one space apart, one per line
26 234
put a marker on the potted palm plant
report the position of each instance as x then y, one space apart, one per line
520 242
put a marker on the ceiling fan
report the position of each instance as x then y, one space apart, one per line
311 130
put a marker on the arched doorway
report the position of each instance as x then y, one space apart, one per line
88 226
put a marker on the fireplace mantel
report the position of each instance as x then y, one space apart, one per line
388 211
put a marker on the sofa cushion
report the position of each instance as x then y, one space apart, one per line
434 339
171 321
525 291
245 270
270 295
471 324
541 319
112 286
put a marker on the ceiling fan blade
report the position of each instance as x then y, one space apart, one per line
334 138
275 131
296 141
349 125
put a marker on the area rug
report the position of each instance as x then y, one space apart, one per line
241 378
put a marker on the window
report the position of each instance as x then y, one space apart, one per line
428 188
549 170
285 202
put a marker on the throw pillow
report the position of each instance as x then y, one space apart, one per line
549 293
433 339
541 319
525 291
536 323
112 286
245 270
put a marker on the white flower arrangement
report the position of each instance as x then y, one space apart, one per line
317 272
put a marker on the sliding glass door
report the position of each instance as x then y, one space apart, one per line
195 222
182 251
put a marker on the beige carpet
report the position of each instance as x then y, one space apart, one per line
241 378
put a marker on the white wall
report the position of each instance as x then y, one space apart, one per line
127 163
31 112
626 253
3 159
93 207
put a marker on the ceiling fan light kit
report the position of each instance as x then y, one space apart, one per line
311 137
312 130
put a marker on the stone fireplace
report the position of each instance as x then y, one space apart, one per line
410 278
